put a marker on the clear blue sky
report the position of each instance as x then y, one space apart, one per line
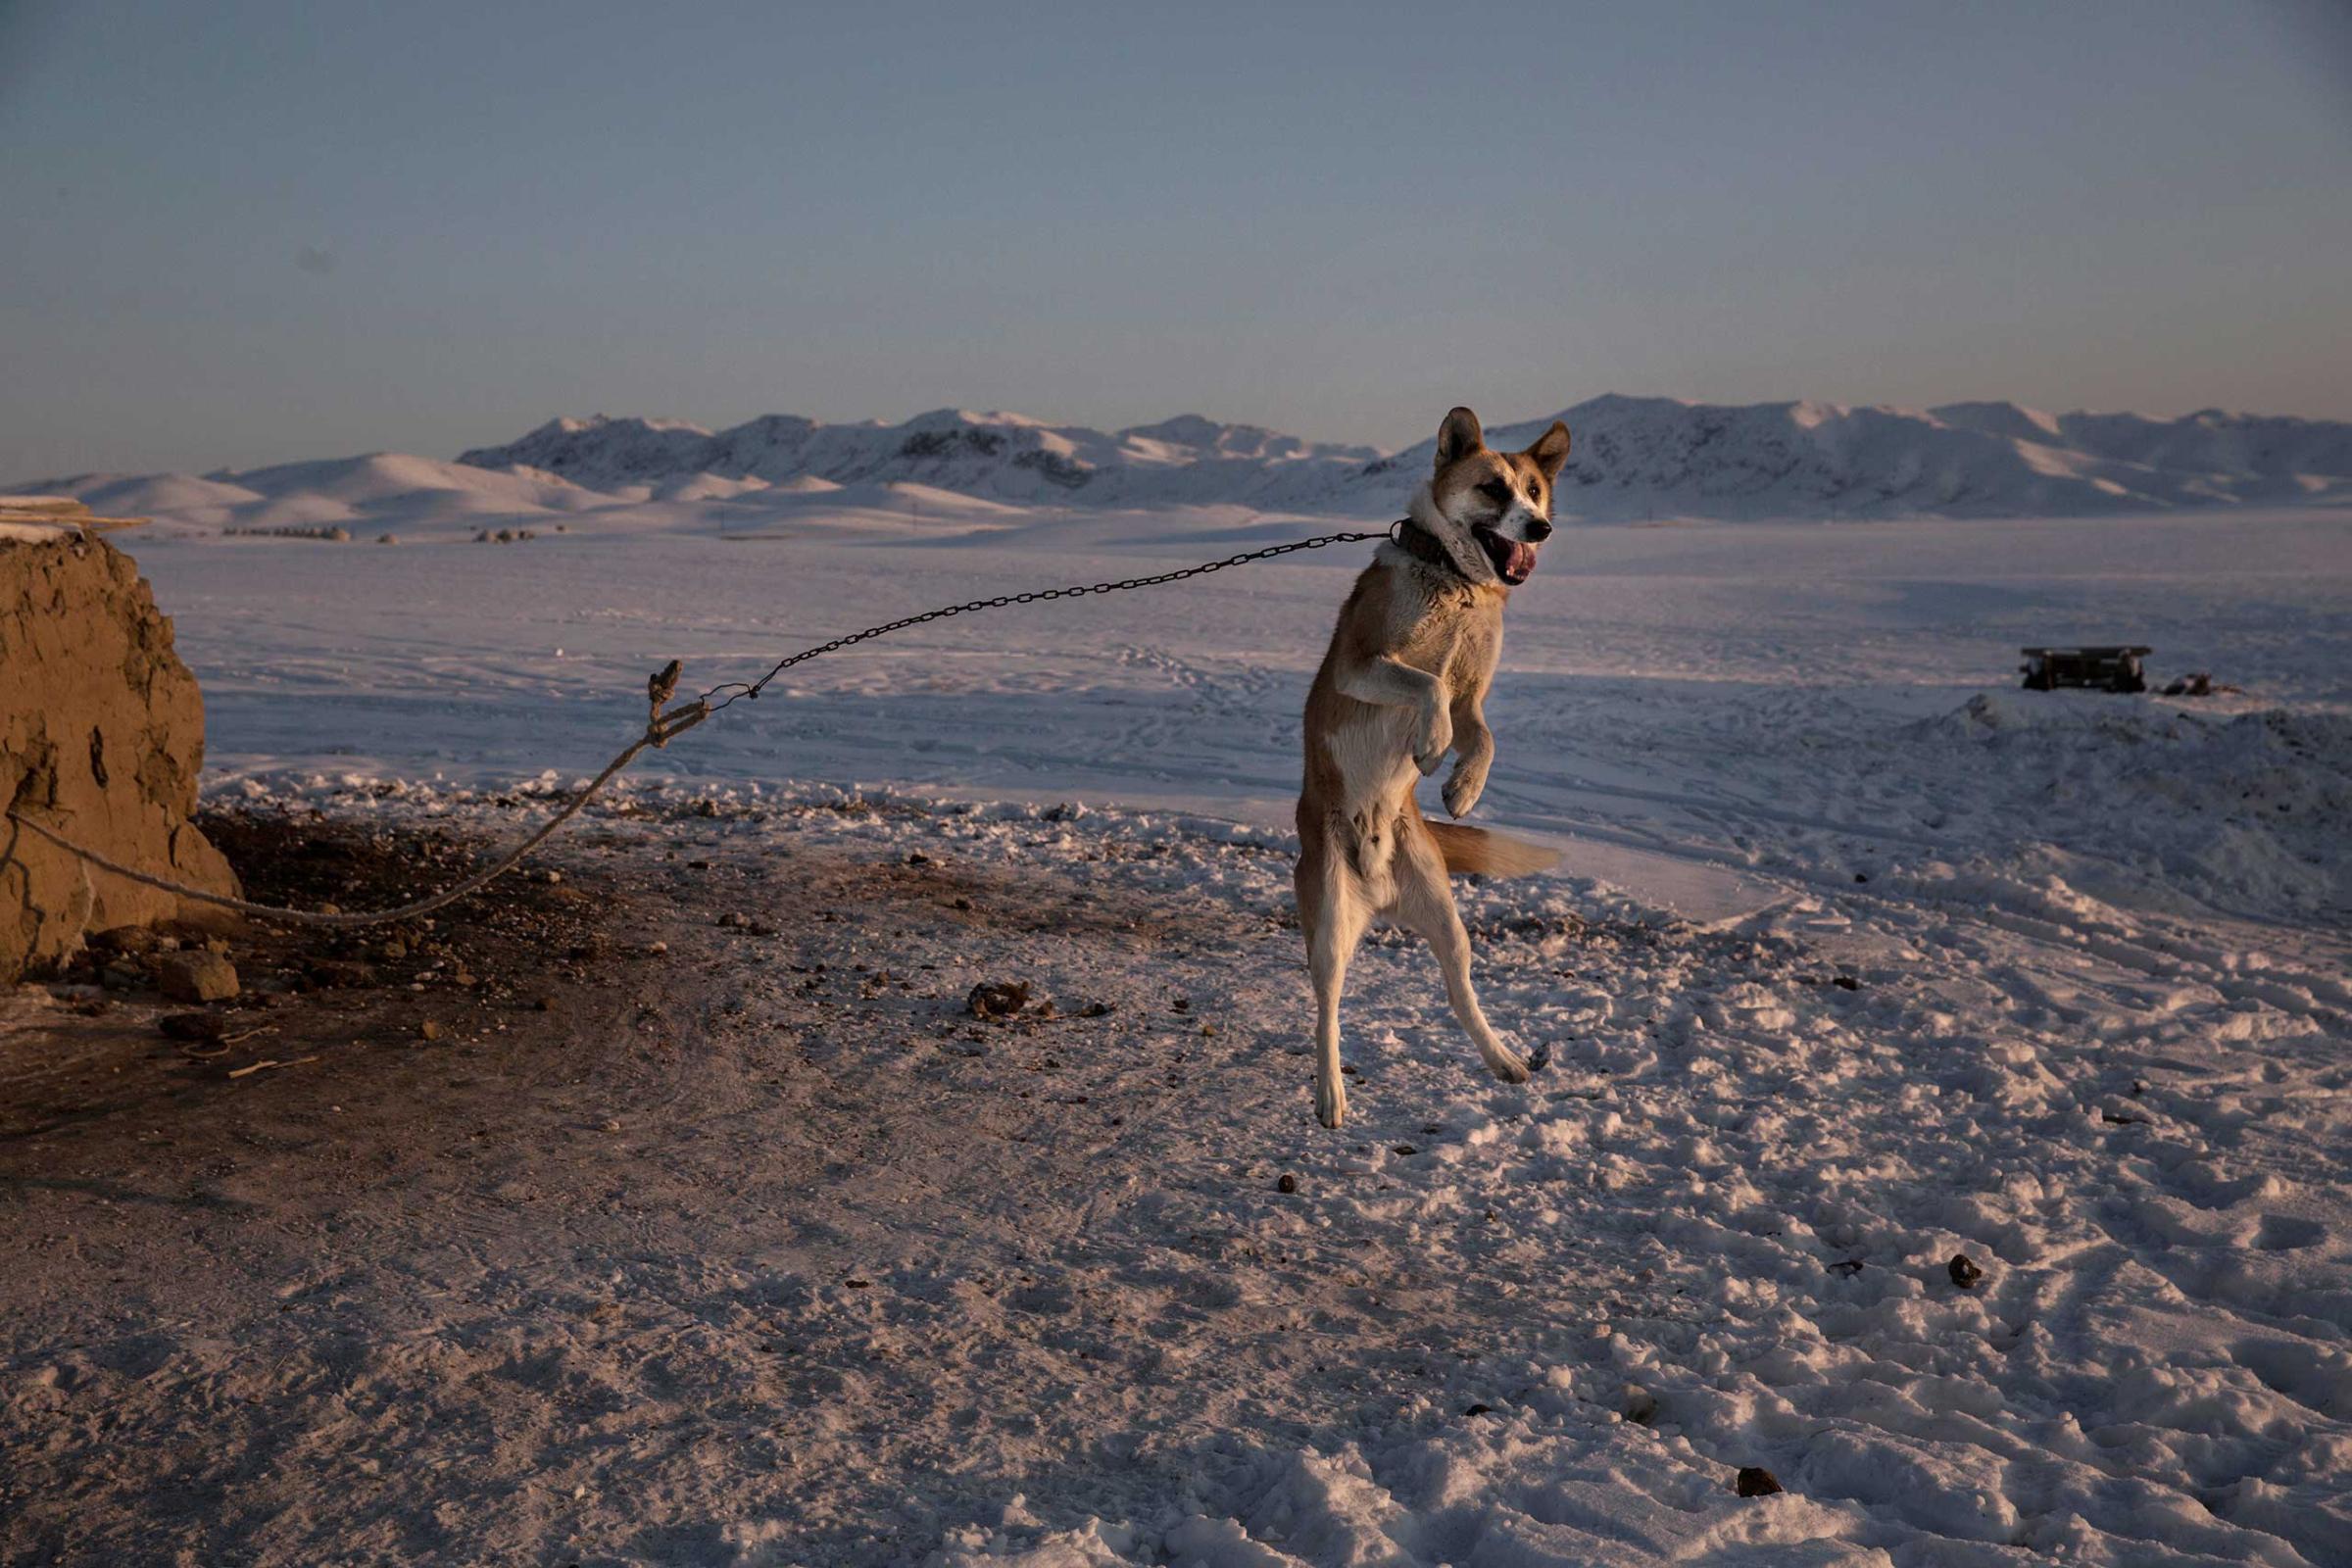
243 230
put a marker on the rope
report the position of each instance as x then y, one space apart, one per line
661 729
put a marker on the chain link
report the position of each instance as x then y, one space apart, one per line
735 690
661 728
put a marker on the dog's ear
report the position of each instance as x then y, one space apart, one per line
1551 451
1458 437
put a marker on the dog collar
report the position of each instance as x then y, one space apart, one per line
1422 545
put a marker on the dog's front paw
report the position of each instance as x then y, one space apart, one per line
1331 1102
1433 741
1463 789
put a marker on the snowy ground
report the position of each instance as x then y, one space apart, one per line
1861 959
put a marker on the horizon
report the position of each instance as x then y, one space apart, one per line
23 483
408 232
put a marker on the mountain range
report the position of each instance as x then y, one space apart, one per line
1632 458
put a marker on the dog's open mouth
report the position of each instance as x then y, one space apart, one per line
1515 560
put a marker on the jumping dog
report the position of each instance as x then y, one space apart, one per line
1404 682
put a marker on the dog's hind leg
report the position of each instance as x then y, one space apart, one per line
1425 905
1333 914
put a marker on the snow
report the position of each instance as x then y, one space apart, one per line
1860 958
1635 459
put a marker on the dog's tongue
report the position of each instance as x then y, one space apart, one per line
1522 562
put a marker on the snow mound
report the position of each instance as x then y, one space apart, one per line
2240 813
395 479
392 490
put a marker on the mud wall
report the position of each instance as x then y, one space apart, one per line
101 737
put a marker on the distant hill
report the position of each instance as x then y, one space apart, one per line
1633 458
1000 456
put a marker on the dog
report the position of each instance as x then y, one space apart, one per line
1406 681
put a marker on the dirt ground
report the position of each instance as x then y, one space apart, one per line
762 1247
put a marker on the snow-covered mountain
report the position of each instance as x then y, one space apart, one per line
1633 457
1661 457
1000 456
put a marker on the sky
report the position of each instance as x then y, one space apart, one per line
248 232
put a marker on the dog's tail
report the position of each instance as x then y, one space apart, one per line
1474 849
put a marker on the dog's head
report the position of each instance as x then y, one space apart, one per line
1490 509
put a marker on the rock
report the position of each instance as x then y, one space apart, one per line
1094 1009
196 977
1964 1271
1287 1184
1755 1482
129 938
339 973
100 739
197 1026
999 999
428 1030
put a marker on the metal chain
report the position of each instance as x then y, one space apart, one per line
661 729
736 689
